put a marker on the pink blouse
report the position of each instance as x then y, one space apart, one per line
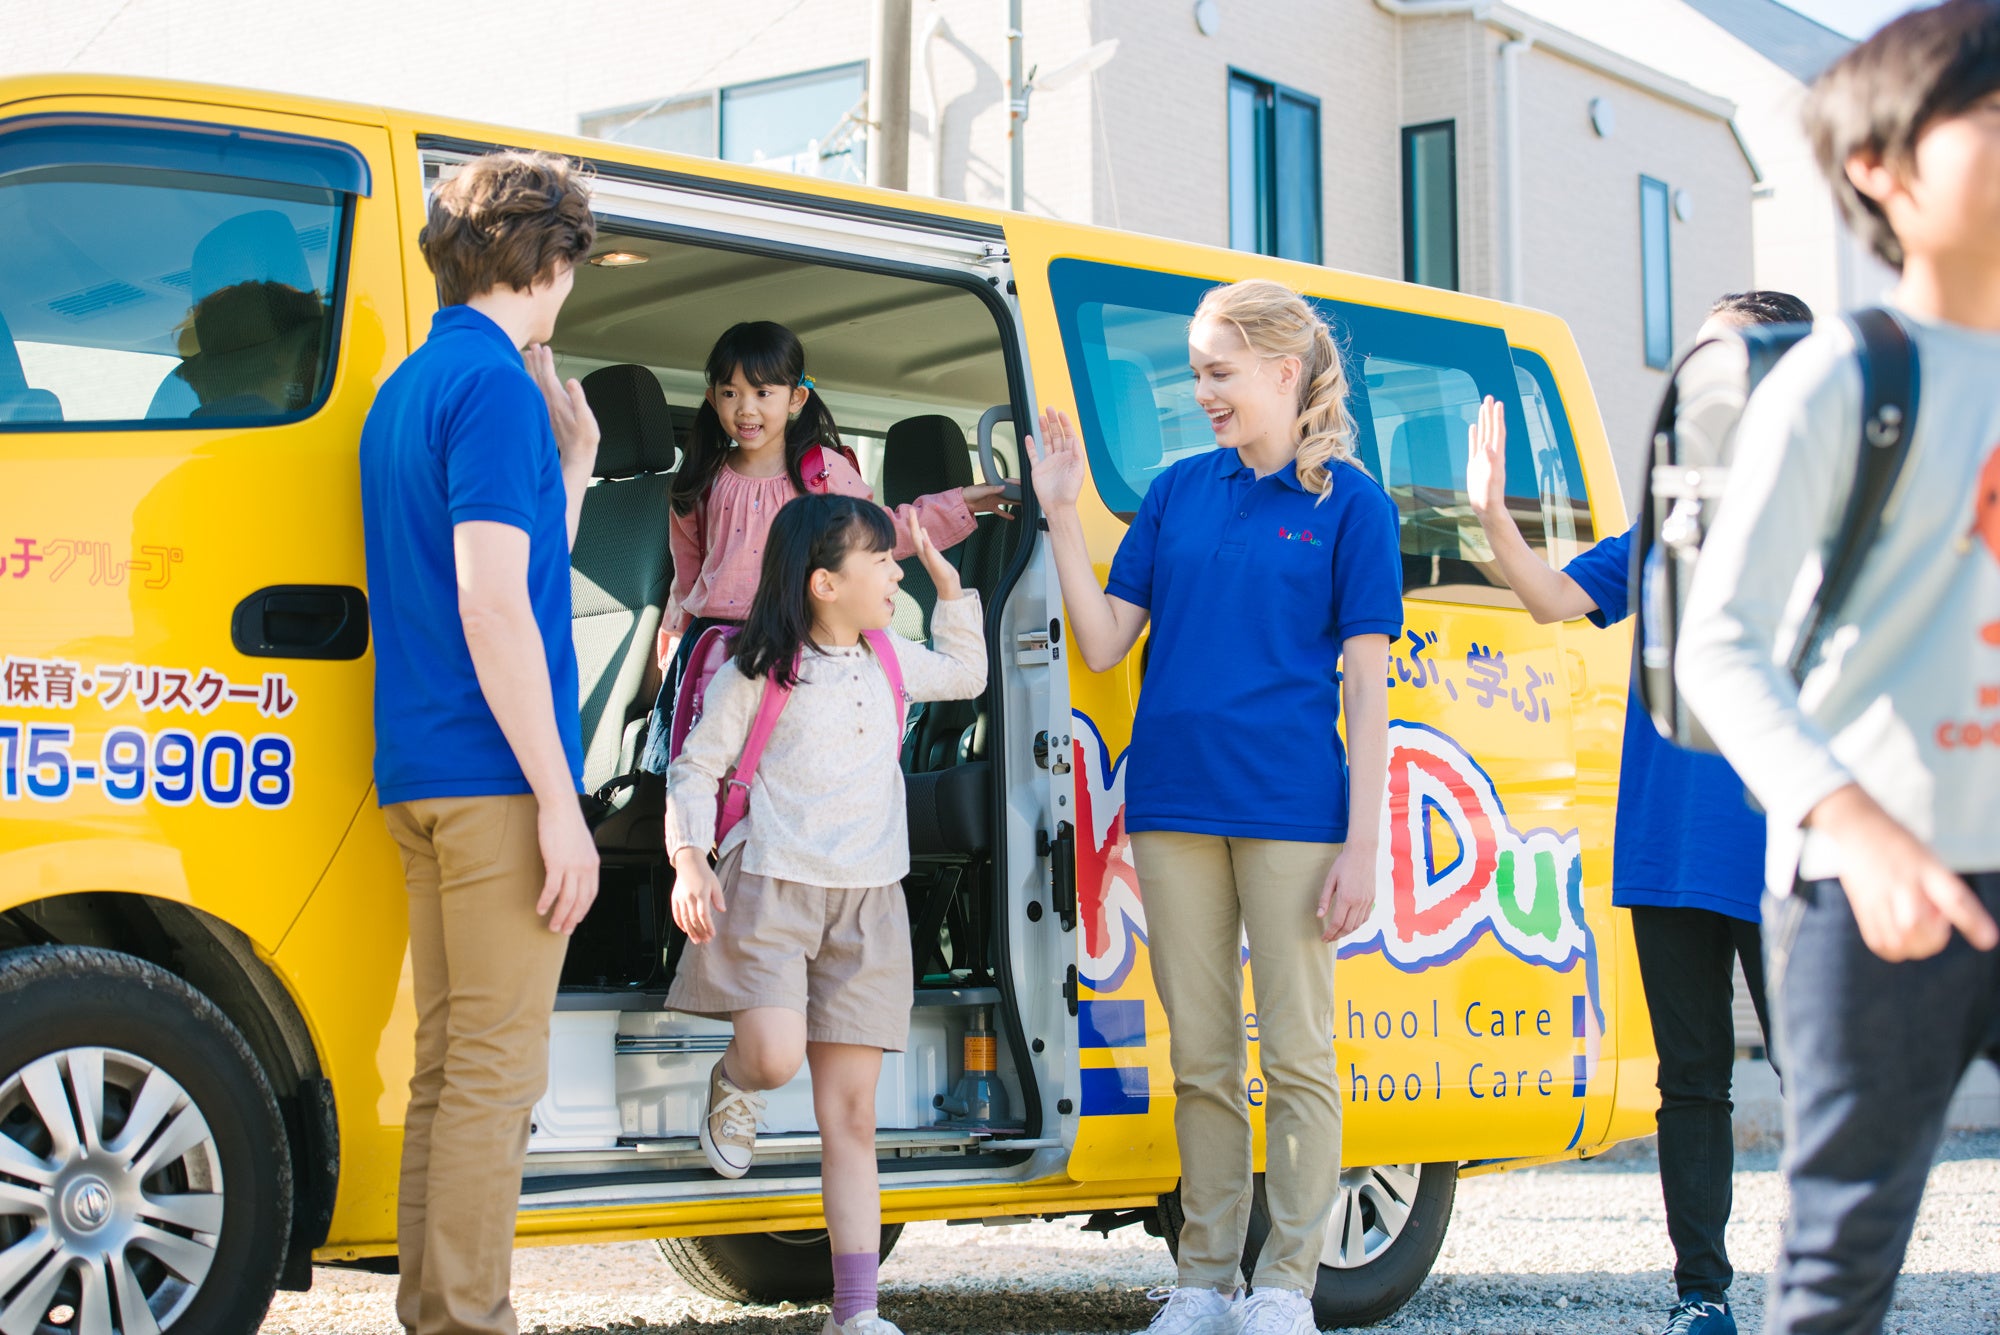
718 550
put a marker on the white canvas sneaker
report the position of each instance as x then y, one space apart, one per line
864 1322
729 1131
1197 1311
1278 1312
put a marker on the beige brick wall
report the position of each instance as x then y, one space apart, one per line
1580 243
1165 108
1447 66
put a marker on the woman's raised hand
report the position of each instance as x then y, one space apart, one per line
940 570
1486 460
1058 470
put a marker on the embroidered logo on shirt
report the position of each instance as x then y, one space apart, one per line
1299 535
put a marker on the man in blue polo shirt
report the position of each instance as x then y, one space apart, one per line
473 467
1689 864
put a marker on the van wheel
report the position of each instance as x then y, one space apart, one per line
1387 1225
762 1267
143 1183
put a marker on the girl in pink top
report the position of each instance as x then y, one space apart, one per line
755 430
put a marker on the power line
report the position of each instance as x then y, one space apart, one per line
713 66
116 14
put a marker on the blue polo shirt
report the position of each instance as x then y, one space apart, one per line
1252 584
459 432
1687 834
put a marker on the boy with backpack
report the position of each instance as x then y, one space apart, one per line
1688 864
1879 767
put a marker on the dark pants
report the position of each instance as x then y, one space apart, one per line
1686 961
1873 1053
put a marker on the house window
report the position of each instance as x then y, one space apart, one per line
1656 263
1273 170
808 123
1430 204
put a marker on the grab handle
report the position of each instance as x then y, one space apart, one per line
988 465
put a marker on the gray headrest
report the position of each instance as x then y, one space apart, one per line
637 428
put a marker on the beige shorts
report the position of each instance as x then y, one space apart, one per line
841 958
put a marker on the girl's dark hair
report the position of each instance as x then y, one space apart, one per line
766 353
1879 98
1763 306
810 533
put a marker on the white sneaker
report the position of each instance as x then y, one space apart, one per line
865 1322
1278 1312
729 1130
1197 1311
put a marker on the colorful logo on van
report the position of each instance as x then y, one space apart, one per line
1453 868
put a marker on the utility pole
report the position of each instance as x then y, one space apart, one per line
1017 110
889 97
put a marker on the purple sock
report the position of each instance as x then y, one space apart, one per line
853 1284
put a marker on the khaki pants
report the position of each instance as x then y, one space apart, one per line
484 966
1201 893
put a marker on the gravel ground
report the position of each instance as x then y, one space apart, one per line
1574 1248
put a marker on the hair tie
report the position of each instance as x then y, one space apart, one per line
807 382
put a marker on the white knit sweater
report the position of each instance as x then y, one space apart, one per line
827 804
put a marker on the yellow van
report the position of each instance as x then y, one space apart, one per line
205 1005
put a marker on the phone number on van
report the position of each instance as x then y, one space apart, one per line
172 766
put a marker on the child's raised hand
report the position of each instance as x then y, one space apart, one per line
697 898
1486 460
940 570
1058 464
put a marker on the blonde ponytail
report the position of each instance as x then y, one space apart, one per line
1275 321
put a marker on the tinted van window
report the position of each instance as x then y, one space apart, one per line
161 297
1416 385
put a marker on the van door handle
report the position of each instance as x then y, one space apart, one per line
328 621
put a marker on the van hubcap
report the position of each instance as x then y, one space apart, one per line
110 1195
1369 1213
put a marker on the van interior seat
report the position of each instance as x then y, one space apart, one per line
620 568
949 784
19 403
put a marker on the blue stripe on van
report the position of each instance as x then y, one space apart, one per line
1111 1024
1581 1071
1576 1016
1114 1091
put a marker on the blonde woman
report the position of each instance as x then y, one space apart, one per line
1261 565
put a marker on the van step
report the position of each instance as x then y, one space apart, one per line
913 1140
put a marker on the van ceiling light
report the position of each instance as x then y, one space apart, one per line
619 259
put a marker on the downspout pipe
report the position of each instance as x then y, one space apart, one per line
1508 94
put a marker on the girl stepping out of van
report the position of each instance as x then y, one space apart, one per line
800 934
762 436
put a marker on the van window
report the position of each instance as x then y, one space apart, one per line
163 296
1416 382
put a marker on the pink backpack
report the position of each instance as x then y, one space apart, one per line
711 651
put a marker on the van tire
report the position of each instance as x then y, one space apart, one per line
1365 1294
762 1267
134 1022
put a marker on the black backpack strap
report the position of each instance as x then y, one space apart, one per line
1889 389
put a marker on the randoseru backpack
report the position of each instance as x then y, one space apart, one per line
1694 444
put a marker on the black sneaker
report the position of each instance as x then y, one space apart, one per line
1699 1314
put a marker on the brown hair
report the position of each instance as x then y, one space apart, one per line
1277 322
1879 98
507 218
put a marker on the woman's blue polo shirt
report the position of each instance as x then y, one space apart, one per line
1252 584
1687 834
